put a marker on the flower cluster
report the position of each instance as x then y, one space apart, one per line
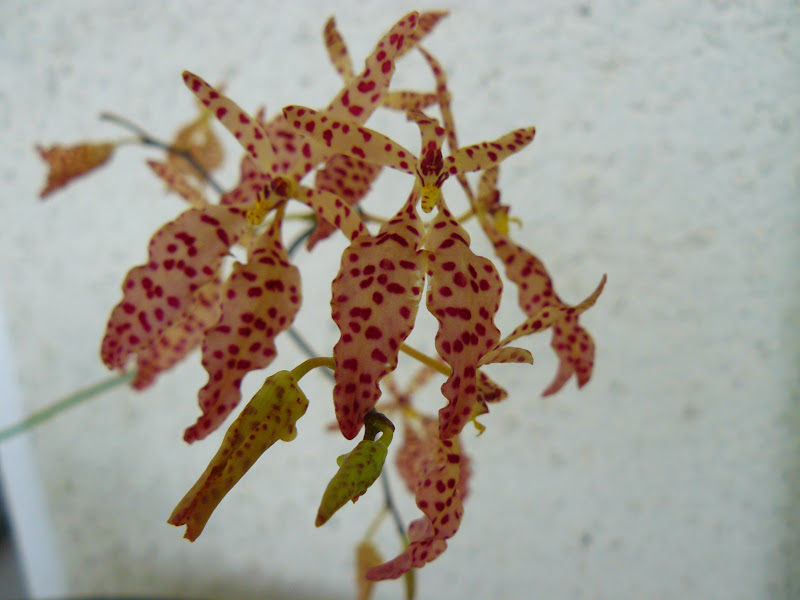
187 295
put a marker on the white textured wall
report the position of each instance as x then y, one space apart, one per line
667 155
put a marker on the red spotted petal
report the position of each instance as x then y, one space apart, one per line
251 183
347 178
572 343
347 137
427 21
553 314
244 128
359 98
261 299
488 154
575 349
405 100
333 209
507 354
440 487
337 50
374 304
464 295
181 338
364 93
184 255
177 182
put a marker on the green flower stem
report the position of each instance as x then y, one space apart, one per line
66 403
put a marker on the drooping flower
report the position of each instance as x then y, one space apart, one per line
436 471
187 253
68 162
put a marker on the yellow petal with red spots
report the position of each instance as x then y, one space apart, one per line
244 128
260 300
440 487
374 304
464 295
270 416
184 255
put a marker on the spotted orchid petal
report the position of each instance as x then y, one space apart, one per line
184 255
443 96
406 100
346 137
332 209
487 154
337 50
177 182
347 178
65 163
551 314
260 300
270 416
441 475
426 23
506 354
357 100
244 128
463 294
361 96
575 349
180 338
374 304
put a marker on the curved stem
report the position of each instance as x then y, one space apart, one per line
146 139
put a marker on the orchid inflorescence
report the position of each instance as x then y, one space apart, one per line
187 295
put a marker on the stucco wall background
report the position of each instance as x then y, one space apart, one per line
667 155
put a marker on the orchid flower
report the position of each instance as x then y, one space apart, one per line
190 293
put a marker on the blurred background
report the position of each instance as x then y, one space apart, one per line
667 155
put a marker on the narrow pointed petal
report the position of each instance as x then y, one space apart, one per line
405 100
443 96
374 304
507 354
361 96
184 255
337 50
575 349
464 295
333 210
552 314
427 22
270 416
261 299
180 338
347 178
177 182
488 154
244 128
346 137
